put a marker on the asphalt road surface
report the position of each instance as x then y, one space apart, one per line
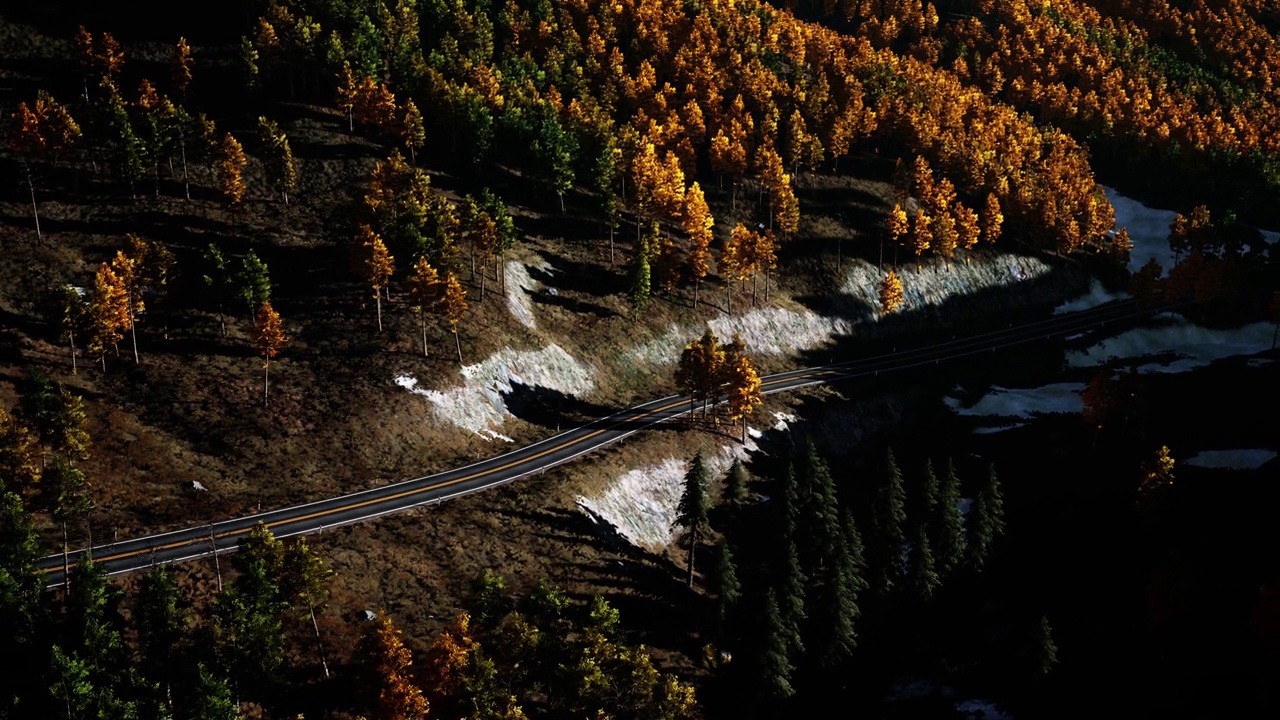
179 545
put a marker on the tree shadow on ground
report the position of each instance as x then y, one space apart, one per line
551 408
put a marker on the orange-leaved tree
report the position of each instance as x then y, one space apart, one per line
180 66
374 264
424 293
455 304
891 295
699 369
231 165
696 221
742 383
445 667
108 312
398 698
270 340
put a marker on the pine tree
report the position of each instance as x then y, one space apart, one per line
948 524
774 667
838 610
270 340
888 521
162 621
921 571
986 520
211 697
735 485
1046 651
725 585
691 512
791 597
927 499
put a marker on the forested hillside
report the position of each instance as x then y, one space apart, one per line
271 251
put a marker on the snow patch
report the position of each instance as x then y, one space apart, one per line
1097 295
1232 459
1023 402
935 282
1148 230
767 331
520 287
478 404
1193 346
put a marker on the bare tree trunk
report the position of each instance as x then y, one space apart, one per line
378 297
422 320
693 545
133 331
72 337
458 344
697 282
66 563
217 564
35 210
186 183
266 381
744 428
319 645
610 244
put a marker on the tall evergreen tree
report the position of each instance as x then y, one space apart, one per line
986 520
725 585
888 522
926 501
1046 649
921 573
948 523
838 602
819 520
691 513
774 667
22 611
788 504
735 483
790 589
210 697
161 614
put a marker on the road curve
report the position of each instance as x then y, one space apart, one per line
179 545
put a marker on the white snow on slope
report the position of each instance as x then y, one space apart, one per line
766 331
1096 296
933 282
641 503
478 406
519 288
1023 402
1148 229
1244 459
1194 346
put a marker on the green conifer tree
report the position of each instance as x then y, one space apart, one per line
735 483
790 590
921 572
888 528
1046 649
774 667
725 585
639 282
986 520
948 524
692 511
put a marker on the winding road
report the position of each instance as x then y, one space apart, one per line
179 545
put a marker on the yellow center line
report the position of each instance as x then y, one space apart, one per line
415 491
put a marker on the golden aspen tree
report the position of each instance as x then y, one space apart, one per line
454 301
270 340
735 261
992 219
699 369
128 272
921 234
891 295
424 293
28 142
108 312
945 238
231 166
412 132
393 674
1156 473
445 666
18 453
743 388
696 221
110 57
347 92
180 67
967 227
379 266
86 57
